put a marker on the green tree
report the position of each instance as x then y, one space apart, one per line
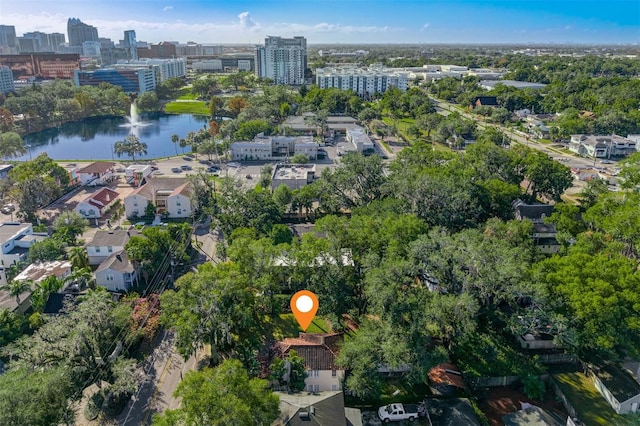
47 250
11 145
69 226
17 288
79 257
12 326
175 139
148 101
249 129
215 106
130 146
289 371
223 396
299 159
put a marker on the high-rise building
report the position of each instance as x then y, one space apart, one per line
133 80
283 60
130 44
56 40
40 41
8 39
6 80
79 32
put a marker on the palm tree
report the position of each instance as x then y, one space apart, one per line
16 288
175 139
131 146
78 257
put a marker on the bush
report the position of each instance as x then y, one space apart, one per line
533 387
94 406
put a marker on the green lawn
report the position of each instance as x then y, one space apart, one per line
192 107
185 94
285 325
592 408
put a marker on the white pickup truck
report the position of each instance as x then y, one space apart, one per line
398 412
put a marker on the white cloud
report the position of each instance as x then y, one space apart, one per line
424 27
167 8
246 21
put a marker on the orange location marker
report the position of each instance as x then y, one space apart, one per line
304 306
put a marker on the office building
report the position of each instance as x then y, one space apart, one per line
165 50
91 49
264 148
41 65
79 32
164 68
283 60
8 40
130 44
364 81
137 80
6 80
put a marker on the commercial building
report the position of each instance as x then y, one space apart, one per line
267 148
359 139
15 239
138 80
79 32
224 63
283 60
164 68
364 81
295 176
6 80
130 44
42 65
8 40
164 50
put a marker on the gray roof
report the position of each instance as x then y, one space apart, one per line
118 261
620 384
328 409
452 412
10 229
512 83
532 416
115 238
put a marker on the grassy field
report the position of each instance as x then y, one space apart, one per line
285 325
592 408
186 95
190 107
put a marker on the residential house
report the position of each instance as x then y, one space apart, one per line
170 196
16 238
97 204
117 272
324 408
135 174
295 176
319 352
478 101
544 235
105 243
451 412
98 173
602 146
39 271
620 390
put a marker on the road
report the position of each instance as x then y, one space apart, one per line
164 369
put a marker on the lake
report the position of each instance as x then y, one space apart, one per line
93 139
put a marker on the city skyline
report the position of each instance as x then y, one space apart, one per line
346 21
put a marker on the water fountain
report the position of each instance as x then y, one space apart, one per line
133 118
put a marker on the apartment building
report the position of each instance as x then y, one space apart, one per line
364 81
602 146
266 148
283 60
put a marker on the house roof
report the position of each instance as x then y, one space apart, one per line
37 272
444 374
101 198
533 212
115 238
531 416
620 384
175 185
319 351
452 412
118 261
486 100
9 230
303 409
99 167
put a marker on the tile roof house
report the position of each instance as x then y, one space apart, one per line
445 379
97 204
319 352
98 173
170 196
105 243
117 272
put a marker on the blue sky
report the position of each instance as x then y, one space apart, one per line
340 21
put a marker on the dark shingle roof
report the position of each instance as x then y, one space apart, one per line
115 238
118 261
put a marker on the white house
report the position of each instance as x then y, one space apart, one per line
359 139
97 204
38 271
620 390
117 272
170 196
98 173
319 352
16 238
105 243
602 146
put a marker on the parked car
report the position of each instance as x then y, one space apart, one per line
606 162
212 169
233 164
185 167
248 176
397 412
6 209
176 170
